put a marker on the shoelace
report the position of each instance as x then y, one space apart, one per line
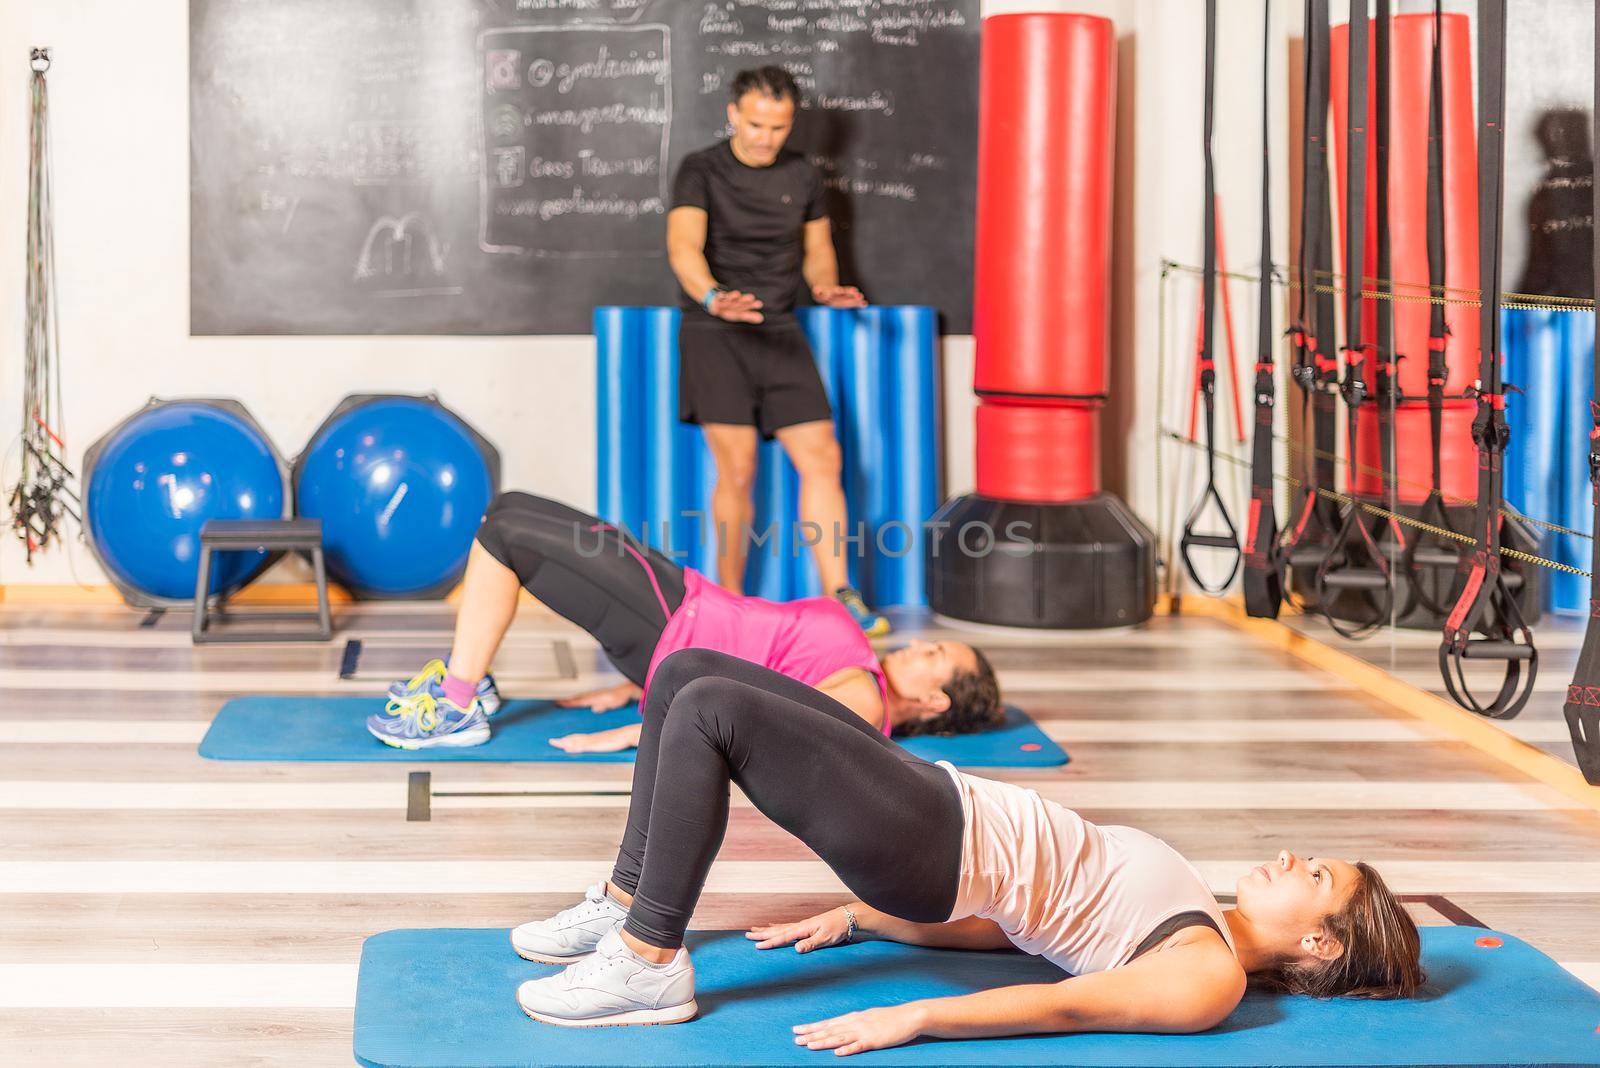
432 671
593 903
588 968
422 708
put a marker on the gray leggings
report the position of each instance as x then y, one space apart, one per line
889 824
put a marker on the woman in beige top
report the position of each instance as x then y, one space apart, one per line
939 858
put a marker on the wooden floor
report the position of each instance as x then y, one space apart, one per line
157 908
1413 656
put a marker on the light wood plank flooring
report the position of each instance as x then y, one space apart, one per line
157 908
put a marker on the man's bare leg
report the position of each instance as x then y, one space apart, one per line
733 449
814 451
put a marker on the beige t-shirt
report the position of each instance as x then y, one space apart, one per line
1082 896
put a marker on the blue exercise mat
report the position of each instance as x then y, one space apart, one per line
334 728
448 997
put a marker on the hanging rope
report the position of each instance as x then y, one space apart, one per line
43 497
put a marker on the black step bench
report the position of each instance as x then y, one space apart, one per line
259 535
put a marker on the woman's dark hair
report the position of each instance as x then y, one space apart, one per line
974 704
768 81
1382 955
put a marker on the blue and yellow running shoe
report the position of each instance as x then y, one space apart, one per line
426 722
873 624
430 680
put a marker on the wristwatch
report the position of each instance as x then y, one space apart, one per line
711 295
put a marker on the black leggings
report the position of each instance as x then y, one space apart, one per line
587 571
889 824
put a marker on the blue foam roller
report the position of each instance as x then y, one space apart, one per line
878 365
1533 340
617 402
154 480
912 497
1570 593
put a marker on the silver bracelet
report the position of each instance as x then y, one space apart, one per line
850 920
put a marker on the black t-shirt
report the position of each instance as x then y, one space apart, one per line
755 224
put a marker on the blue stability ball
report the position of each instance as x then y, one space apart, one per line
157 477
400 484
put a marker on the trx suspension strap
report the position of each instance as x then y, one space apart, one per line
1314 371
1427 553
1263 576
1386 382
1583 696
1486 604
1353 561
1191 539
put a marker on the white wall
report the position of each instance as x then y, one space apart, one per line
119 99
119 119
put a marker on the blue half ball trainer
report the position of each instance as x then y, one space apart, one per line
154 480
400 484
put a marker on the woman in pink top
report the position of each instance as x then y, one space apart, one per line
641 607
939 858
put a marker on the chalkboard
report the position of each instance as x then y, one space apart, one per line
504 166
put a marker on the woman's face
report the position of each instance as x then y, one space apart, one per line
1288 896
920 670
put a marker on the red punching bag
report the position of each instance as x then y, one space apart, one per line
1410 63
1039 544
1046 123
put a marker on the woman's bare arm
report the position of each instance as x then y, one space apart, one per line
1191 986
832 928
857 690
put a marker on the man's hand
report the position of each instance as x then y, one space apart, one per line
603 700
838 296
736 307
857 1032
815 932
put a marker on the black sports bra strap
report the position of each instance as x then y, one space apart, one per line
1169 927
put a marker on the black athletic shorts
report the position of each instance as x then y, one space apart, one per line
757 376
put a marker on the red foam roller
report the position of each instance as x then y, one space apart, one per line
1410 59
1458 456
1046 122
1038 452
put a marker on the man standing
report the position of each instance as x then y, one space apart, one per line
747 226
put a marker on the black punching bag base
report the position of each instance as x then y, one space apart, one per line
1073 566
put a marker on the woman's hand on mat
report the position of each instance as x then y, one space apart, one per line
603 700
612 741
857 1032
736 307
838 296
815 932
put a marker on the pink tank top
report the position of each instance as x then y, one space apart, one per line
808 640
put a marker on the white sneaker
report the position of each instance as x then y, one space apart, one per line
613 987
572 933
